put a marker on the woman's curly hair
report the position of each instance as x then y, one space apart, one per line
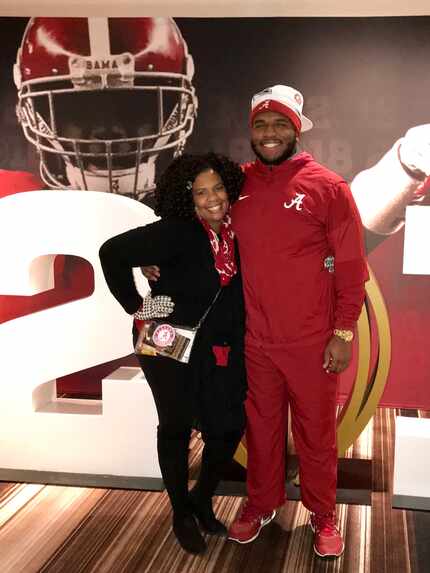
173 194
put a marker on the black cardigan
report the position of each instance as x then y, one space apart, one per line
187 274
182 251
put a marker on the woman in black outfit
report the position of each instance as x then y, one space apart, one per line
194 248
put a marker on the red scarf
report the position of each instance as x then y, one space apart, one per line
222 249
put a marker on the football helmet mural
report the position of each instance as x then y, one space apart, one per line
102 98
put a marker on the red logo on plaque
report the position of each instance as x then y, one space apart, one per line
164 335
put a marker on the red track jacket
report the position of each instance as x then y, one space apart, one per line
288 220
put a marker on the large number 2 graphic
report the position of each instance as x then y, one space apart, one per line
115 435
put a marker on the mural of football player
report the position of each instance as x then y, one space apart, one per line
101 98
104 103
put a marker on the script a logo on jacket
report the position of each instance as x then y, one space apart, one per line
297 201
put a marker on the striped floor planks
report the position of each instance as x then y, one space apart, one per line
53 529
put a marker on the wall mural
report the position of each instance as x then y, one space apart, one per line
103 104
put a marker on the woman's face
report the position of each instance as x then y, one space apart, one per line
210 198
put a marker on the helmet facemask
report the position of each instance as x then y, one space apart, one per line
106 138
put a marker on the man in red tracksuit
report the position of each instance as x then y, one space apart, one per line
304 269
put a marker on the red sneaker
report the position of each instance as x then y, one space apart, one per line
328 541
248 525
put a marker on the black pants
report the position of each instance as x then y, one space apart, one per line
170 384
176 401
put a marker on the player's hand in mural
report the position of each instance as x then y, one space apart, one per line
398 179
155 307
414 151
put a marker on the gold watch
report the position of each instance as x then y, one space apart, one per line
346 335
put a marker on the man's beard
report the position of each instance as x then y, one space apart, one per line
290 150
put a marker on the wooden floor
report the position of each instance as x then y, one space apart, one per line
73 530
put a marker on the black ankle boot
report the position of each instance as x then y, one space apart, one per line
187 533
216 453
203 510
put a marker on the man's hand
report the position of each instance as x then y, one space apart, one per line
414 150
151 272
337 355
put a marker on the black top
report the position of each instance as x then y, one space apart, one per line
187 274
182 251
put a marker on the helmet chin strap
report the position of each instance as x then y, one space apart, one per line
121 181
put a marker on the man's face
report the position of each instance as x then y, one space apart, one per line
273 137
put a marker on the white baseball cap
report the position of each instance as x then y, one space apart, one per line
285 100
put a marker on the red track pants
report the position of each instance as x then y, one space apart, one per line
276 378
